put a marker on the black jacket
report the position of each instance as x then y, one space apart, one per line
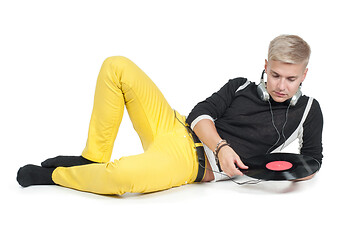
245 121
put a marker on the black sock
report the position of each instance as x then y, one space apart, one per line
35 175
65 161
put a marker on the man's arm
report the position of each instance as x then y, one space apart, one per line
312 133
213 108
312 136
207 133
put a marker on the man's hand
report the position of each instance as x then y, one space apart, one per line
305 178
228 159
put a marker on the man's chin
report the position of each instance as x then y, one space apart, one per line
280 99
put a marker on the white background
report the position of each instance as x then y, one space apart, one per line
50 56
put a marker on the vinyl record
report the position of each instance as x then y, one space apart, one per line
280 166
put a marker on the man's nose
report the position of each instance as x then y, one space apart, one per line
282 84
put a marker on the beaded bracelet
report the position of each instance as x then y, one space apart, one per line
220 141
219 148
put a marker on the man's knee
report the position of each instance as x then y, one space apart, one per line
117 61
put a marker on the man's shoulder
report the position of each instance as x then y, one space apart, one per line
305 99
312 107
241 83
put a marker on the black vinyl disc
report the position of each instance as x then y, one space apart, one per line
280 166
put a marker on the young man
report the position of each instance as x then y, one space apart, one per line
239 121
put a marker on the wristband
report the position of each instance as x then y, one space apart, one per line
216 149
219 148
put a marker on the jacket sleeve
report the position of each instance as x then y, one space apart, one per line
215 105
312 133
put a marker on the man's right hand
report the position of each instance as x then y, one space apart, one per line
228 160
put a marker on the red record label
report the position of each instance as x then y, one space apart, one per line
279 165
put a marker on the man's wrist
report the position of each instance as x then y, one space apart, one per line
222 143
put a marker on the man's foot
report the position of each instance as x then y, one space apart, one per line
34 175
65 161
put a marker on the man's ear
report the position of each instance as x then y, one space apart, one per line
304 75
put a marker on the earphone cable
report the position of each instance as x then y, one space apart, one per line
283 127
274 125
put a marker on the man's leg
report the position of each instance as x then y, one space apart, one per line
121 83
169 162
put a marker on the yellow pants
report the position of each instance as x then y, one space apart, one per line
169 157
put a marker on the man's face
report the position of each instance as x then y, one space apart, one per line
283 79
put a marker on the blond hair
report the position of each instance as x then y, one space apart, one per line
289 49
